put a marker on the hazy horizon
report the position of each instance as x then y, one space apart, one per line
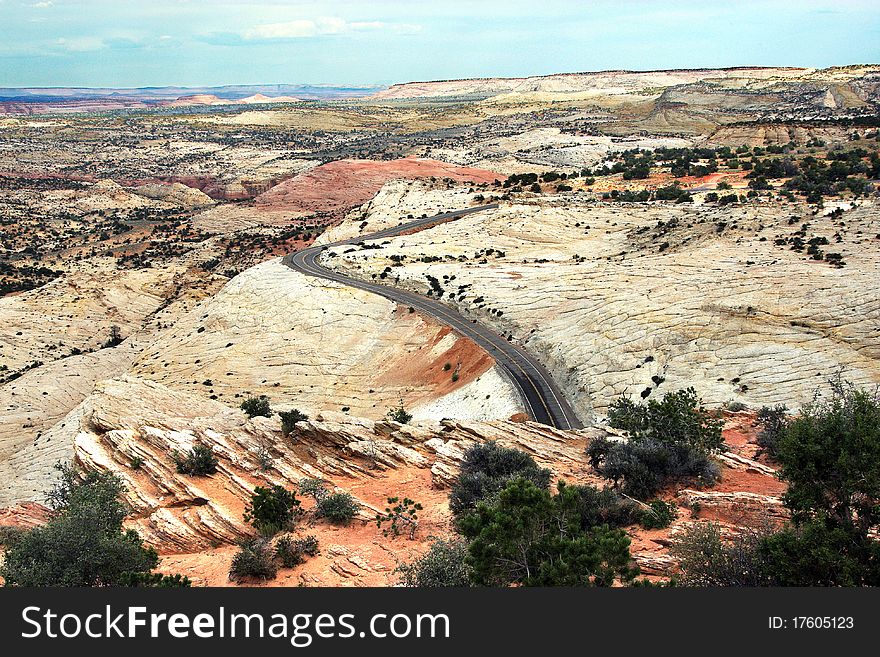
103 44
333 85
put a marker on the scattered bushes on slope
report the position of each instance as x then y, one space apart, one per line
84 543
271 509
199 461
257 406
486 469
444 564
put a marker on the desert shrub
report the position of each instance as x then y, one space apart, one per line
524 535
308 545
338 508
706 559
115 338
287 553
486 469
9 535
252 561
257 406
772 422
155 581
735 406
399 414
658 515
641 468
605 506
444 564
264 457
84 543
289 420
313 487
292 552
670 441
401 514
198 461
677 418
830 458
271 509
814 553
70 478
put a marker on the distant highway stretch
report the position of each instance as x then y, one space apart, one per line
543 399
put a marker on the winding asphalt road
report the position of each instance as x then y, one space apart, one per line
542 397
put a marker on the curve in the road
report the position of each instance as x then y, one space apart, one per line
540 393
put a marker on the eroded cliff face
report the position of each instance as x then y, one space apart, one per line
129 420
133 427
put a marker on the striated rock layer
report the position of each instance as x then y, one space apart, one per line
134 427
130 421
338 186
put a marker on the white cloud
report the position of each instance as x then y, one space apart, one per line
43 5
323 26
81 44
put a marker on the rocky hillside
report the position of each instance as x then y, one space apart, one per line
654 298
132 427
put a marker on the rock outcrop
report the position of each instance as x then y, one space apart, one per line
339 186
644 299
134 427
318 345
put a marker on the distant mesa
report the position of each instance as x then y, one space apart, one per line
211 99
42 100
608 82
261 98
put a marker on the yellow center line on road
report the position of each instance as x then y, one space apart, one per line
511 356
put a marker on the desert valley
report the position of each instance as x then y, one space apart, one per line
634 235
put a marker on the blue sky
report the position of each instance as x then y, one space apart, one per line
120 43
